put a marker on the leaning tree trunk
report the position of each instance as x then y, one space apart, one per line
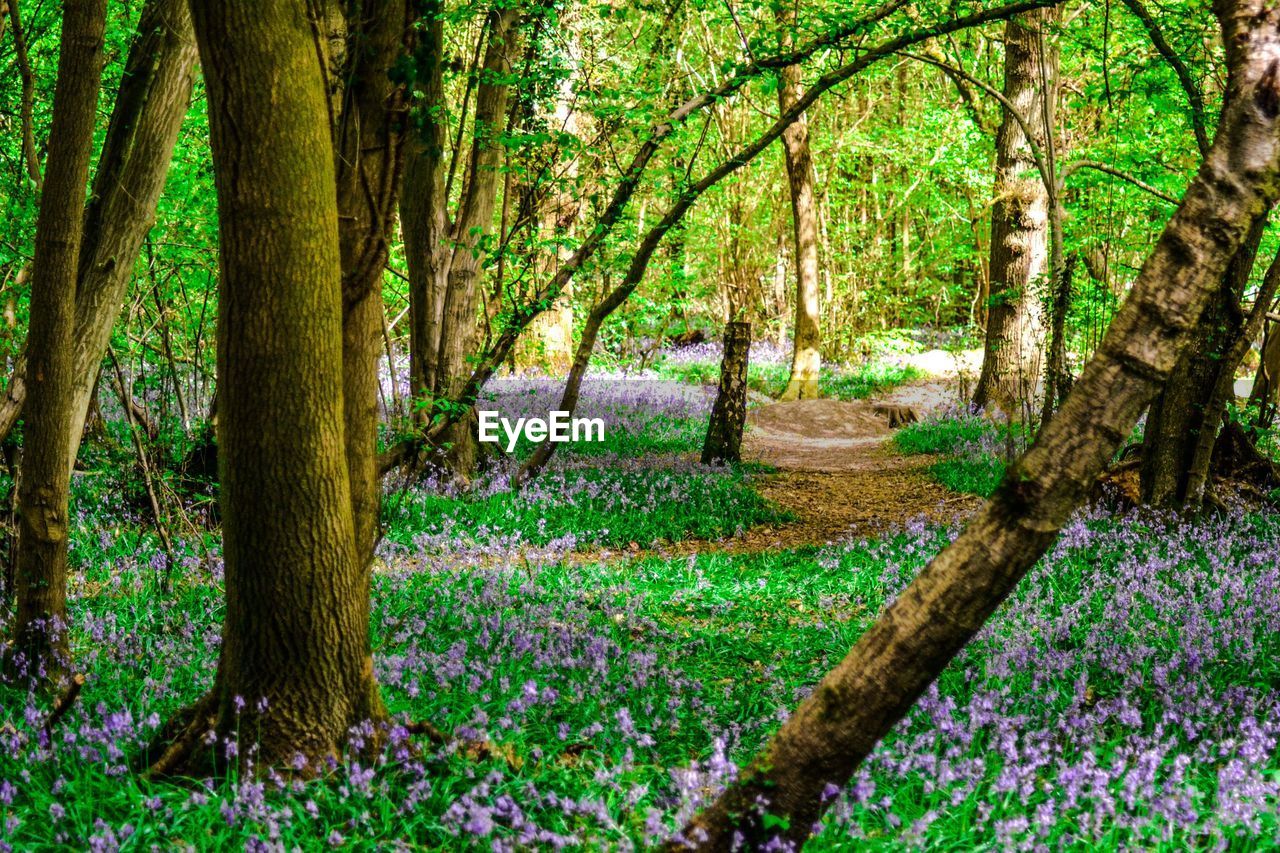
723 442
45 478
155 92
1182 410
1222 394
806 358
1019 225
295 640
785 790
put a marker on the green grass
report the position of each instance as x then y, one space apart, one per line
973 447
974 476
690 647
598 506
841 383
944 434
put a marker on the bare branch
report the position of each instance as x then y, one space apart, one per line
1194 98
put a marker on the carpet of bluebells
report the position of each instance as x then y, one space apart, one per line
1128 695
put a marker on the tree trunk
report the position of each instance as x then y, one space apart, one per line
1019 226
729 413
806 357
424 220
295 668
458 336
369 157
1266 384
1181 411
44 481
858 702
153 99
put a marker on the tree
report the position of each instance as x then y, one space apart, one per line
44 483
446 257
295 665
1019 221
806 358
369 157
153 98
782 792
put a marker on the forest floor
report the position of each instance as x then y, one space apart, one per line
839 475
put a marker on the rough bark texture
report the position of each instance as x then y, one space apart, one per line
1182 411
1019 227
729 413
806 358
1222 393
368 149
296 631
43 484
153 99
860 700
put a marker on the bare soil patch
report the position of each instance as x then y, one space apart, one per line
837 473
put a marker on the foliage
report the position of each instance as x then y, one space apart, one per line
619 695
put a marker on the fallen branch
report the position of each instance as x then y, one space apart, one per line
63 705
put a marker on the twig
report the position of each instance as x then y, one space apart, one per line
63 705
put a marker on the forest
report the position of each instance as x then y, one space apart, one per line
698 425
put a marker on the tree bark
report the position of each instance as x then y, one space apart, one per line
44 481
1222 391
1266 383
368 149
1182 411
806 357
459 327
866 694
424 219
1019 225
295 668
155 92
729 413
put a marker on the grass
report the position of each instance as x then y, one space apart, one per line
973 448
595 681
841 383
1124 697
608 507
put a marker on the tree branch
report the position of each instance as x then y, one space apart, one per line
522 315
1194 99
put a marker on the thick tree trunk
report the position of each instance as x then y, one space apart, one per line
295 648
368 148
806 358
1019 226
729 413
43 484
1222 393
867 693
1182 410
153 99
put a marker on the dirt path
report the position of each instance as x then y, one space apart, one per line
838 473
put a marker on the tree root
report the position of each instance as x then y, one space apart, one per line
179 738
